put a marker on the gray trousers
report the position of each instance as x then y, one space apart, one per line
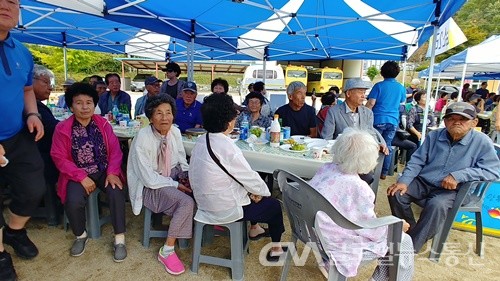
76 200
435 202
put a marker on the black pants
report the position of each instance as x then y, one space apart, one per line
268 210
24 174
76 200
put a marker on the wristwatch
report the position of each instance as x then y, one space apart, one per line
34 114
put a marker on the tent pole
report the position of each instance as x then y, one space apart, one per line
437 87
190 58
404 73
65 57
429 83
462 82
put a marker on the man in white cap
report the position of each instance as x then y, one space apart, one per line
410 91
352 113
448 157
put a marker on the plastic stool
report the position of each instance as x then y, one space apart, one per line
149 232
94 221
239 245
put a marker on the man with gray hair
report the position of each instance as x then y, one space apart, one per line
352 113
300 117
448 157
413 89
42 87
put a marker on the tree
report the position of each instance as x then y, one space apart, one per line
371 72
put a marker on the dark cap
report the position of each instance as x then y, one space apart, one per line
151 80
190 86
461 108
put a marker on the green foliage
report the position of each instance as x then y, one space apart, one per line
422 66
371 72
79 61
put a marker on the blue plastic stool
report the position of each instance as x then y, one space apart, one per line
94 221
149 232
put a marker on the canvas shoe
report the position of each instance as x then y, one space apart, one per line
78 247
172 263
120 252
19 241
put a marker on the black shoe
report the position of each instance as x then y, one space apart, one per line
7 271
270 258
19 241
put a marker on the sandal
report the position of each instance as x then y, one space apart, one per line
261 235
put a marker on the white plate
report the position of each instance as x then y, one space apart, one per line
286 147
300 138
317 143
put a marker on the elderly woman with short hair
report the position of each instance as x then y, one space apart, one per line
87 154
222 195
158 179
355 152
253 115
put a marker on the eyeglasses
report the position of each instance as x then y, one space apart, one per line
45 81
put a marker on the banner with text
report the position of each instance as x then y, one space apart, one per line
449 35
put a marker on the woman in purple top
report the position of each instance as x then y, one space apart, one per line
355 152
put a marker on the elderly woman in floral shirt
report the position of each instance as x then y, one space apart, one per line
356 152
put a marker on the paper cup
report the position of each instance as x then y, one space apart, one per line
123 123
317 152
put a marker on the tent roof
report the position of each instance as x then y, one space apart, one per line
284 29
49 25
199 66
482 58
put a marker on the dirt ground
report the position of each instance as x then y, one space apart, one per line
55 263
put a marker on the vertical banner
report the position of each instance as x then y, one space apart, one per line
448 37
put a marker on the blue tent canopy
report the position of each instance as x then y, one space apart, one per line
285 29
49 25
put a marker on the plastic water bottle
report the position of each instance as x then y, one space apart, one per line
115 112
244 128
275 132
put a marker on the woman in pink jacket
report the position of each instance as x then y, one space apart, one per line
88 156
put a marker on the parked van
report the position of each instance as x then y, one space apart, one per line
321 79
275 82
295 73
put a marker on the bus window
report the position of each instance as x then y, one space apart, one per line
296 74
332 75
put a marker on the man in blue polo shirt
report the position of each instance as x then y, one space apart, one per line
384 100
21 127
188 108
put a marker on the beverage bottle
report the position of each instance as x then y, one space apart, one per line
115 112
244 128
275 132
